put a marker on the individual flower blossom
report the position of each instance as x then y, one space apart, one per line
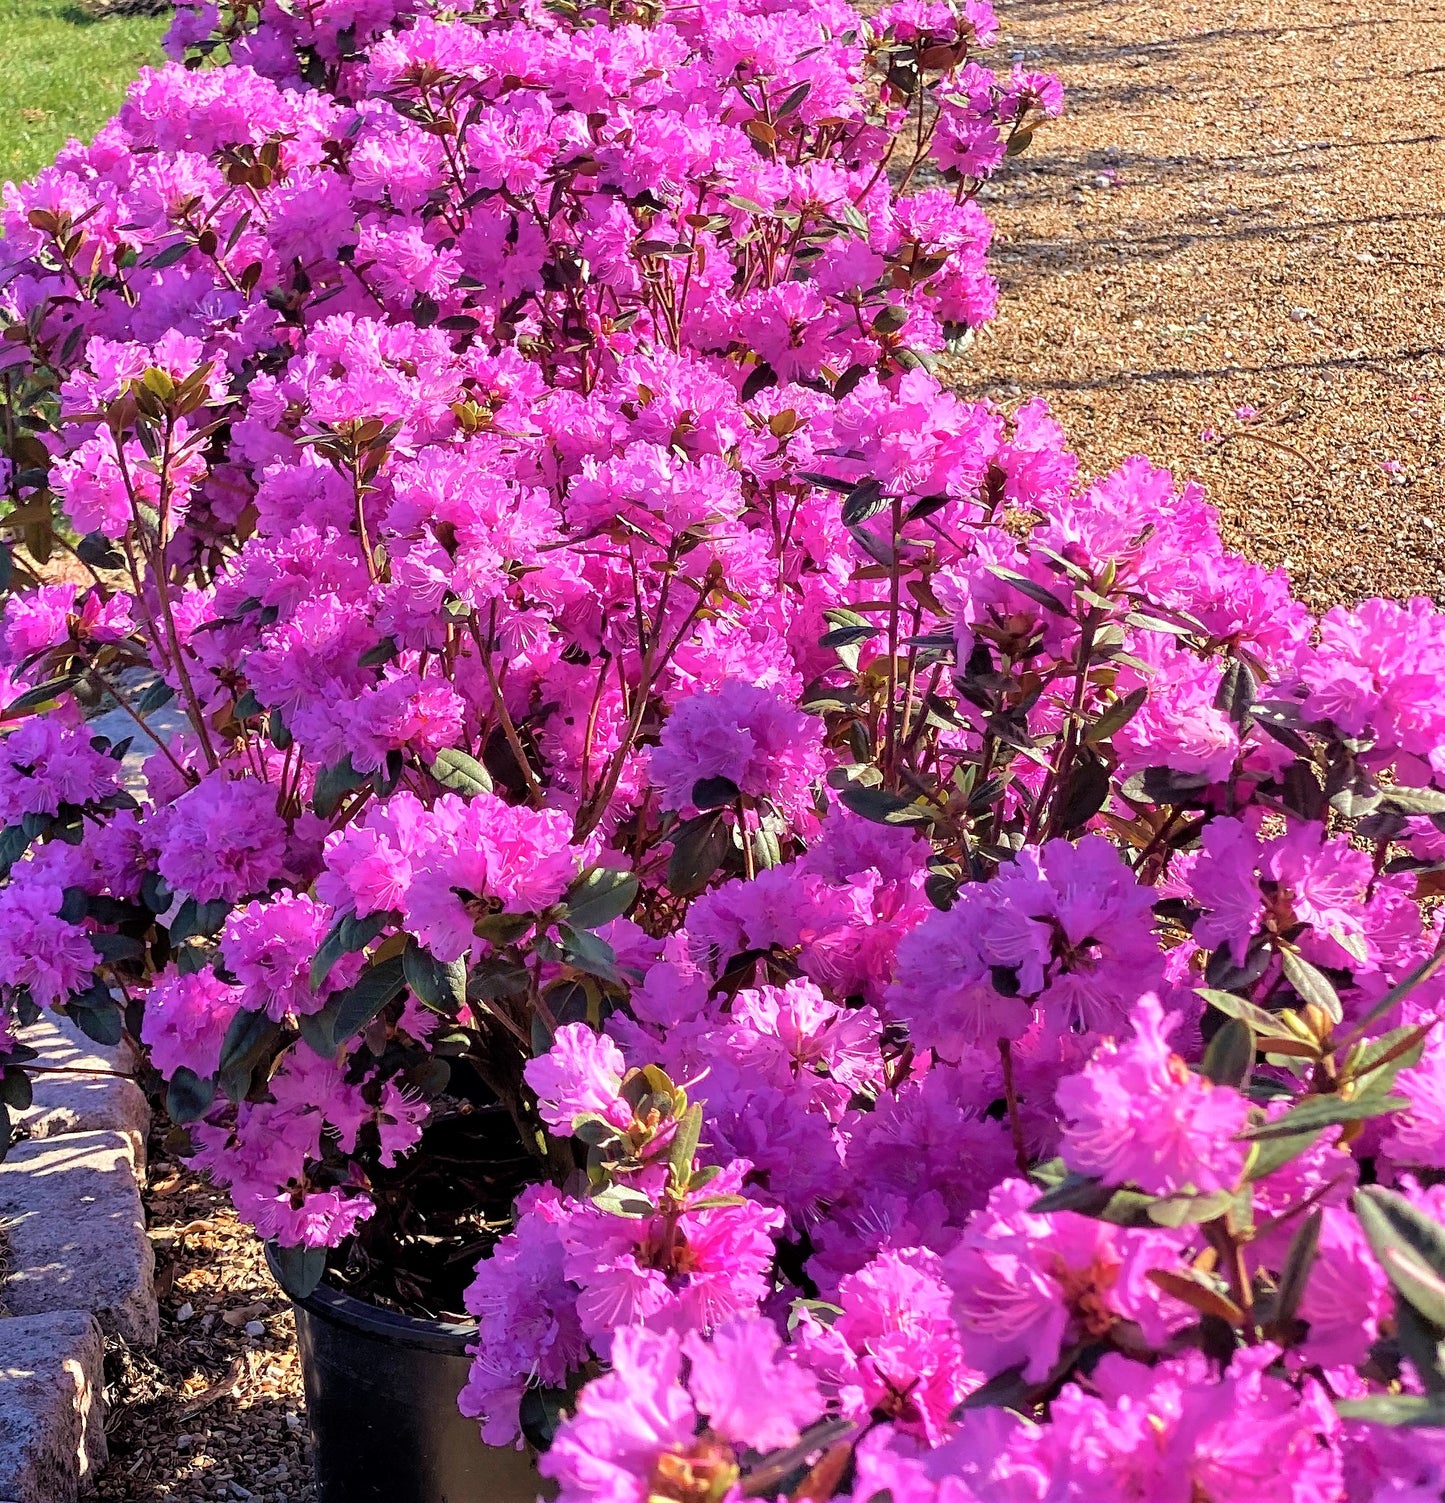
185 1022
894 1348
1024 1283
1064 933
580 1074
742 736
269 947
633 1424
222 840
1136 1114
526 1311
40 951
684 1270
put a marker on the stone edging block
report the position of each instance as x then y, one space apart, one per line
52 1439
73 1216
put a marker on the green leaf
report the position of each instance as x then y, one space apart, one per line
1398 1409
1236 691
599 895
1086 793
1118 715
1315 1113
318 1029
540 1413
1035 592
14 842
347 935
885 808
1275 1152
99 1023
373 990
440 984
1089 1197
189 1096
621 1200
1414 801
587 952
1299 1260
195 920
1187 1210
683 1148
333 784
1410 1246
461 773
1229 1058
158 694
298 1269
1375 1062
247 1041
714 793
865 500
1266 1024
15 1088
1312 984
698 848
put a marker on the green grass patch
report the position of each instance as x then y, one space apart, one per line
63 73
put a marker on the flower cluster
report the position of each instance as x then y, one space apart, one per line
918 968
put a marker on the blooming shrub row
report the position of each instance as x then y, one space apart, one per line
950 944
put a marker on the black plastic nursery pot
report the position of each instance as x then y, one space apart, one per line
381 1394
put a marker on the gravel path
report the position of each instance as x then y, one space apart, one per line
1242 209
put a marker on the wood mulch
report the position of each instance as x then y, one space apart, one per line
217 1410
1227 256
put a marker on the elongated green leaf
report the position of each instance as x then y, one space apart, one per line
373 990
189 1096
1266 1024
333 784
440 984
1229 1058
599 895
347 935
1315 1113
1312 984
298 1269
1298 1262
1400 1409
1410 1246
885 808
461 773
247 1040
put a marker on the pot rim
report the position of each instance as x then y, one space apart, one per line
338 1307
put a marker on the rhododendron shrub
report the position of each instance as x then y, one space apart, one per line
745 870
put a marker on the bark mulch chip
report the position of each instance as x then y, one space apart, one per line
1241 209
217 1411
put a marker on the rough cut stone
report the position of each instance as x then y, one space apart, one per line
87 1103
60 1042
52 1432
73 1217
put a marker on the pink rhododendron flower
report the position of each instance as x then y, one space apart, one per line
1136 1114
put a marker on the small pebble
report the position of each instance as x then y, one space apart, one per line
185 1312
255 1328
1299 315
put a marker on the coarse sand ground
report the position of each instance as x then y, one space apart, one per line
1241 208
